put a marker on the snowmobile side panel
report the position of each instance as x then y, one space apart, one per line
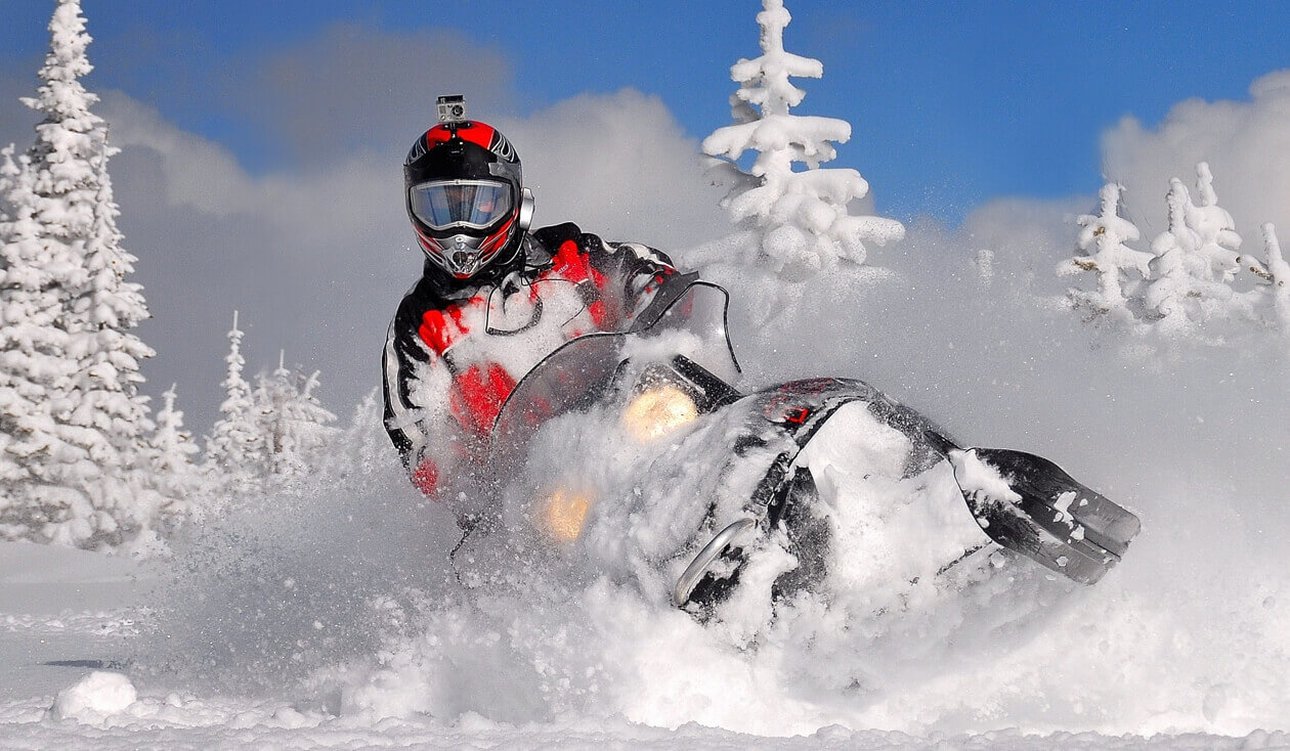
1056 521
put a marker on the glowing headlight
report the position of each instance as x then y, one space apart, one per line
564 514
658 411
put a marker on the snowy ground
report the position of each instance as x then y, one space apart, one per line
324 618
67 616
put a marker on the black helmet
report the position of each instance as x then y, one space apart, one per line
465 197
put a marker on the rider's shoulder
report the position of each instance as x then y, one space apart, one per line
552 237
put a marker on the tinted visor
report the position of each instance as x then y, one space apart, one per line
473 204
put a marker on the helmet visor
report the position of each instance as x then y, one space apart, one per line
472 204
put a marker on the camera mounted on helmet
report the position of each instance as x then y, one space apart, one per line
452 108
464 194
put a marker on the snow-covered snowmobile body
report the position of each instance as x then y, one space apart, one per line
633 449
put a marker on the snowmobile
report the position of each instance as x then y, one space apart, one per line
632 451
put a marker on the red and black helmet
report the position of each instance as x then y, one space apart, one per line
465 196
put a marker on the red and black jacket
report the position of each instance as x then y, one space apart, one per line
453 354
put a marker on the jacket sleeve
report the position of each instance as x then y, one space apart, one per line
437 415
416 389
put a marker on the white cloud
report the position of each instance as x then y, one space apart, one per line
1246 143
620 166
198 174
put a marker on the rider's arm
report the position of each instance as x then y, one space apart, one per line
408 372
437 412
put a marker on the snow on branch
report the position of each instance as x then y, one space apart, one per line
1277 271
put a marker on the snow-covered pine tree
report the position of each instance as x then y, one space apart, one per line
90 483
34 367
1219 242
1183 293
101 317
799 221
8 173
235 447
295 427
363 441
173 454
1103 240
1276 272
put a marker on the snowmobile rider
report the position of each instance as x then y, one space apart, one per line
494 298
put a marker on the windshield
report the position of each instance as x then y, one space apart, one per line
687 317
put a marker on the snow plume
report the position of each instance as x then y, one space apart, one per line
586 630
1204 465
293 579
340 594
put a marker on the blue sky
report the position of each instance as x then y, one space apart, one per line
952 103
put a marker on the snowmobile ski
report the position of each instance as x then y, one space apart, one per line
1049 516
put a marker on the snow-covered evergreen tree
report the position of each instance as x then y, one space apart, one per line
1183 292
799 222
67 158
1103 240
102 314
174 453
34 366
1275 271
234 449
294 426
1219 242
64 264
363 441
8 173
106 403
277 430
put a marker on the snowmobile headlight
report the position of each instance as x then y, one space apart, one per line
563 514
657 411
